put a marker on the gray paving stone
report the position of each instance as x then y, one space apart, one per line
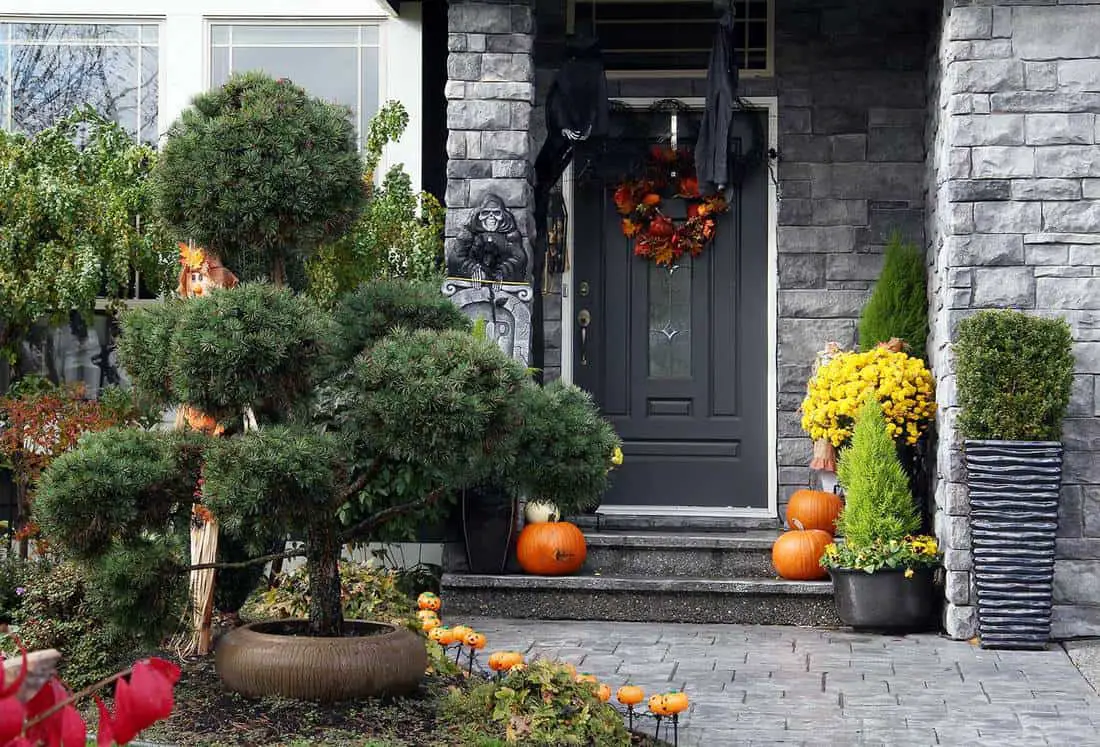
781 685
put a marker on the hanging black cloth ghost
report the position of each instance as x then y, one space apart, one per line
712 149
576 109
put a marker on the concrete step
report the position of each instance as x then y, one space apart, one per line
662 554
690 600
673 523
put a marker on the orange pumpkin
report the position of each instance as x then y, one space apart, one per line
630 695
553 548
441 635
460 632
476 641
429 601
502 661
814 509
796 554
603 692
676 702
423 615
428 624
658 705
588 678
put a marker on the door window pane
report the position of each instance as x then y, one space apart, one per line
670 320
47 70
336 62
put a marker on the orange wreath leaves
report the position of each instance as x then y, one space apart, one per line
656 236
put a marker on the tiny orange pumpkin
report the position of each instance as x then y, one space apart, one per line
429 601
428 624
658 705
474 640
630 695
461 631
423 615
676 702
442 635
603 692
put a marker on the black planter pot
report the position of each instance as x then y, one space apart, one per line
1014 488
488 529
885 601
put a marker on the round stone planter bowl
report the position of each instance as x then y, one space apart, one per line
885 601
371 659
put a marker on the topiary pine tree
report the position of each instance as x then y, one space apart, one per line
435 410
898 306
877 502
261 174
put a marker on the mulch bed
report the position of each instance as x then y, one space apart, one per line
206 715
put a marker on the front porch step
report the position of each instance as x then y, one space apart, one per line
673 523
659 554
688 600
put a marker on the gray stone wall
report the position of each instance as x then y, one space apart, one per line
490 94
851 88
1017 196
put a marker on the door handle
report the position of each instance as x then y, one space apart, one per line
584 318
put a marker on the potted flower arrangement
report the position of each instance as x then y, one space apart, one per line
1014 377
882 574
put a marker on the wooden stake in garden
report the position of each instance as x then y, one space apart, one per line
200 273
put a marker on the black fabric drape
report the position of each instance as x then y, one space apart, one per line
576 109
712 154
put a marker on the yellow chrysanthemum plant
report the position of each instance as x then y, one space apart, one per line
843 379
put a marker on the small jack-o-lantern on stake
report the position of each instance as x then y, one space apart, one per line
201 272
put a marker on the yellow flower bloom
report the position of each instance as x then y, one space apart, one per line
909 573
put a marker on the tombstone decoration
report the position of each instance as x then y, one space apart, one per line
487 277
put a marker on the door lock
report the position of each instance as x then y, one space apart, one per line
583 288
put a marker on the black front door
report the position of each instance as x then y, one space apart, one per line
676 357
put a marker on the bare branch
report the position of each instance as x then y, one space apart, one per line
372 522
262 559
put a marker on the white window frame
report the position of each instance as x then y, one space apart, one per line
767 72
382 46
162 124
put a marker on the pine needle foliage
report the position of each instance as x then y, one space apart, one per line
878 505
898 306
1014 373
262 174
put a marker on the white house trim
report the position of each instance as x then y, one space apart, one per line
763 103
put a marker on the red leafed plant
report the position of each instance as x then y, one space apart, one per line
35 428
50 718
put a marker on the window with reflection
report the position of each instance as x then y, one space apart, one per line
49 69
335 62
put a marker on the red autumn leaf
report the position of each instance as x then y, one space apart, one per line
145 699
105 735
9 690
12 714
47 732
74 732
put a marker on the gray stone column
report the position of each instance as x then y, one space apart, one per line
1014 222
490 95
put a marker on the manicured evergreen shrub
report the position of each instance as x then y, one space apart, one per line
898 306
1014 375
261 174
878 505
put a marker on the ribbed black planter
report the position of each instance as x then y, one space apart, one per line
489 528
885 601
1014 489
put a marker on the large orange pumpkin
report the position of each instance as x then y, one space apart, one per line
796 555
553 548
814 509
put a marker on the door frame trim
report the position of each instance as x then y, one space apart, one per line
769 104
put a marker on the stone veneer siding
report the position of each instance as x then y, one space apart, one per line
490 94
1014 210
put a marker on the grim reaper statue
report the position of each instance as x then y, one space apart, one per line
489 247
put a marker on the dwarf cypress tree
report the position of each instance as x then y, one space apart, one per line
877 502
898 306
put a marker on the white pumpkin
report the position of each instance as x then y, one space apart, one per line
540 512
